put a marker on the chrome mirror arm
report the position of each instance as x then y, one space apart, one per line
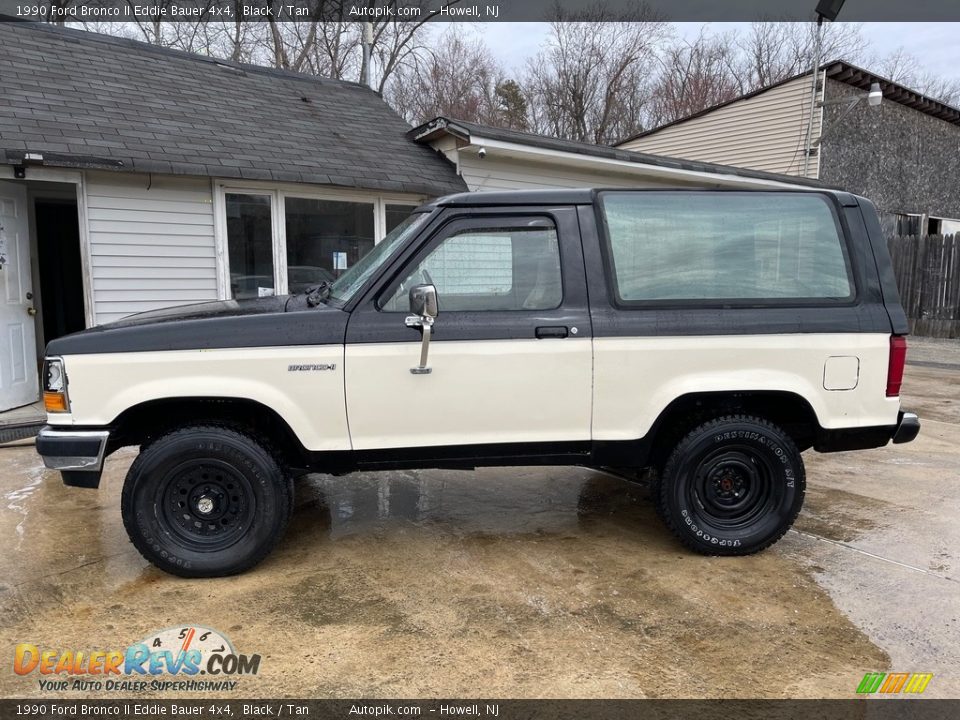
425 323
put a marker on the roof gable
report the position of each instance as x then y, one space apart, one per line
841 71
88 100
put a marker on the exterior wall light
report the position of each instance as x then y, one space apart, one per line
874 98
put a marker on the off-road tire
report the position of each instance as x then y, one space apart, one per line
731 486
180 475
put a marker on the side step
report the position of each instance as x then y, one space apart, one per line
19 431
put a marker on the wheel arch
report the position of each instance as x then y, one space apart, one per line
789 410
144 422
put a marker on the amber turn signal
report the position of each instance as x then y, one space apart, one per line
55 402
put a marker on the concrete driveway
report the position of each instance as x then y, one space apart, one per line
523 582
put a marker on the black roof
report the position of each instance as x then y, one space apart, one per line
460 128
89 100
841 71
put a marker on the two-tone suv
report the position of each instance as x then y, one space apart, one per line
709 335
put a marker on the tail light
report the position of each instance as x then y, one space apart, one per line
898 357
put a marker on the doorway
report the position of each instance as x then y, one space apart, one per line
59 268
41 281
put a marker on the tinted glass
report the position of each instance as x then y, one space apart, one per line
324 239
489 269
250 245
763 247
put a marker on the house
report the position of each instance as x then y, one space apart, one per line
135 178
489 158
904 154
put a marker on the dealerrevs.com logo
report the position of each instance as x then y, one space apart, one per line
186 658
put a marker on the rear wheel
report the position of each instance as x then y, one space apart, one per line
206 501
732 486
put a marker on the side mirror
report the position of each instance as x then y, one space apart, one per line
423 301
423 305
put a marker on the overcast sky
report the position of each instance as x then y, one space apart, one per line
935 45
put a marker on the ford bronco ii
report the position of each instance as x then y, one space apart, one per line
709 336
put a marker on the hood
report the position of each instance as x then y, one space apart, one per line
264 322
206 310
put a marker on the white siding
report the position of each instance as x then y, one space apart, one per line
764 132
151 242
496 173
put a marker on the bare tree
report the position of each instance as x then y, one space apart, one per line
773 51
696 75
590 82
904 68
458 78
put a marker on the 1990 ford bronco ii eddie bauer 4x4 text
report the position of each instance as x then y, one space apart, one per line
708 335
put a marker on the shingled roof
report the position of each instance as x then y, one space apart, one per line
93 101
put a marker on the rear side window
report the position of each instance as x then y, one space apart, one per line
735 247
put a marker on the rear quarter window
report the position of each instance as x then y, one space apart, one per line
729 248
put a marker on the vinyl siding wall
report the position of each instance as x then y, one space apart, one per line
765 132
151 243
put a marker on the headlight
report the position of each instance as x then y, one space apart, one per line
54 376
55 386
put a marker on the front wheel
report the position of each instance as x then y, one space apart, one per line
205 501
732 486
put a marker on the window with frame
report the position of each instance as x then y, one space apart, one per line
250 245
490 268
325 238
725 247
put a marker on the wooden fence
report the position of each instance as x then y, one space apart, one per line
928 275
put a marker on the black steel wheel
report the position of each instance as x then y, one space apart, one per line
206 501
732 486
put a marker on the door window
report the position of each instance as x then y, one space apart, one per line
491 268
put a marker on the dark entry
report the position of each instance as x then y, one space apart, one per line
61 274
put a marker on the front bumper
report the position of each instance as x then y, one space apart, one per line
908 427
77 454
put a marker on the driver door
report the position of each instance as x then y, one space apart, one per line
510 355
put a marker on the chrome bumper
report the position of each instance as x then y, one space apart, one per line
73 450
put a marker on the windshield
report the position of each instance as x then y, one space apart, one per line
347 285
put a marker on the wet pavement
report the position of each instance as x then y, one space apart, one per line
523 582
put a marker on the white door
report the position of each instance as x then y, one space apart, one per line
18 348
511 354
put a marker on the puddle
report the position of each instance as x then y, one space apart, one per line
16 500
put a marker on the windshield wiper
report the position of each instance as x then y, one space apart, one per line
318 293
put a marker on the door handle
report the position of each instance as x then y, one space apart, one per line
551 331
31 311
